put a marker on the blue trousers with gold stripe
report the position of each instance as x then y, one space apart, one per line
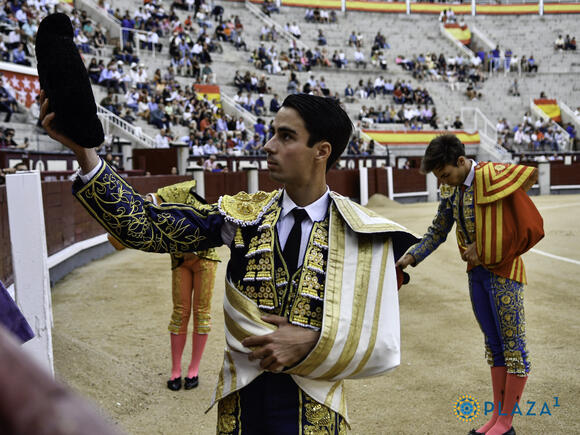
498 305
272 404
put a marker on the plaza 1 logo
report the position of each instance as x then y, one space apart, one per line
466 408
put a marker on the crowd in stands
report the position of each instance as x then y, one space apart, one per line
412 117
321 16
538 135
568 43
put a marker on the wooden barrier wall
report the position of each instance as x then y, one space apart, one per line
68 223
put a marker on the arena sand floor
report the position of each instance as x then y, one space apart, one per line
111 341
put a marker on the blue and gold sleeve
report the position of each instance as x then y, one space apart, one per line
140 224
436 233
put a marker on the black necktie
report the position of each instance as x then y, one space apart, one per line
292 248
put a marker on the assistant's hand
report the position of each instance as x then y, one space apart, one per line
282 348
405 260
470 255
87 157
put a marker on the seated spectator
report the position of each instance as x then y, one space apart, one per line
274 104
349 94
514 89
359 58
8 103
19 56
321 38
532 65
294 29
259 106
571 45
559 43
457 124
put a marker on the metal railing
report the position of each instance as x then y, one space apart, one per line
232 107
112 122
474 120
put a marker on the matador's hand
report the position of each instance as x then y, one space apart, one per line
470 255
282 348
406 260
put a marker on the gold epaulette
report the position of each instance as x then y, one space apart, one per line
446 191
176 193
247 209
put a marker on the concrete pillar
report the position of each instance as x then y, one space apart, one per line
30 261
544 178
182 156
431 187
541 7
408 7
473 8
199 177
253 184
364 185
127 151
343 6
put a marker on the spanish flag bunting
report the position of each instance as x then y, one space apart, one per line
550 108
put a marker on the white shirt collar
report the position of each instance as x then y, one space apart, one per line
316 211
469 179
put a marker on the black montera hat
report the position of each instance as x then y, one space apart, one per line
65 81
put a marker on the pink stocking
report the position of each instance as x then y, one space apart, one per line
199 341
177 345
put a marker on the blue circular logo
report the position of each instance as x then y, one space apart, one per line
466 408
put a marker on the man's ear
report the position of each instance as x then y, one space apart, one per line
323 150
461 161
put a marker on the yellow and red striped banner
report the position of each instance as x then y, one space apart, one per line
550 108
436 8
562 8
323 4
462 34
511 9
361 5
212 92
424 137
433 8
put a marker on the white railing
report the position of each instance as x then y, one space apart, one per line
234 108
131 132
487 133
483 37
287 35
461 47
539 113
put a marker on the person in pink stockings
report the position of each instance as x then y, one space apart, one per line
193 279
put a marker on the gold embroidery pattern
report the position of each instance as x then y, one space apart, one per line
140 224
319 419
509 300
239 239
306 310
246 209
228 422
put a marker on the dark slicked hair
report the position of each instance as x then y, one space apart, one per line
325 120
443 150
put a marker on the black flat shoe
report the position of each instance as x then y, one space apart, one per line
192 383
512 431
474 432
175 384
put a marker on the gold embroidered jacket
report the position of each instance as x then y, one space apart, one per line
347 287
